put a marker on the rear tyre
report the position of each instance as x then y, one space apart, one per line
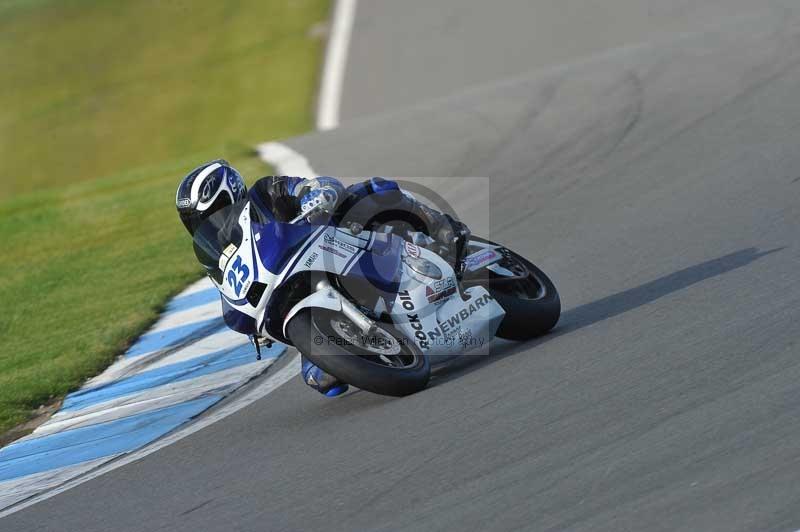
385 362
531 300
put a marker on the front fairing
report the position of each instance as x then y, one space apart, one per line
219 231
367 266
254 256
278 242
222 243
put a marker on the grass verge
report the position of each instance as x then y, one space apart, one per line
92 88
87 268
89 88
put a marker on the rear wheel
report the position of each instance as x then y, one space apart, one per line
383 362
528 296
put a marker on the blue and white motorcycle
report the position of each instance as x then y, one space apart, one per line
371 308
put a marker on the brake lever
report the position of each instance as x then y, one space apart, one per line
313 210
304 215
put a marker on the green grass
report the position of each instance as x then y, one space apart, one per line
91 87
139 92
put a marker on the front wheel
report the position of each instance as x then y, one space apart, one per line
528 296
383 362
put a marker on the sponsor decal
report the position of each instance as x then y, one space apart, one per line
344 246
184 202
452 324
227 253
334 251
406 300
413 319
467 341
311 259
235 186
209 188
473 262
440 289
412 250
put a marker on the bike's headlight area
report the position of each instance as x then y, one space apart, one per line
423 267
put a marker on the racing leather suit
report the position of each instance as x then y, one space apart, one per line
369 204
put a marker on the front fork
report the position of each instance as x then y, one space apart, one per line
326 296
363 322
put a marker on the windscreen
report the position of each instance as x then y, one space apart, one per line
217 232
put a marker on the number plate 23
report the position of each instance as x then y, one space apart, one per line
238 276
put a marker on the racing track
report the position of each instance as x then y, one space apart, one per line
659 185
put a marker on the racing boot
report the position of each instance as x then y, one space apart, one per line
450 236
324 383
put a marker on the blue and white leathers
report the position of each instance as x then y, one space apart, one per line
414 286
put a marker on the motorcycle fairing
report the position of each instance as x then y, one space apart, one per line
372 257
441 319
236 319
470 317
279 242
381 267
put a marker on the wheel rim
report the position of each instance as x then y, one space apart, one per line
378 347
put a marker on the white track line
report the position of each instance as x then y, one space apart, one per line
281 157
330 94
285 160
15 490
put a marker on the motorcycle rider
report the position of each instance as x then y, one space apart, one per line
215 187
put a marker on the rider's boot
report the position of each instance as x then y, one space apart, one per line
450 235
324 383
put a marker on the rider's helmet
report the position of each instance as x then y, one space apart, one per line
207 189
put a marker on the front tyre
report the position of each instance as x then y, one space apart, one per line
384 362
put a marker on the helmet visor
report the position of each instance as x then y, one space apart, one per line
192 218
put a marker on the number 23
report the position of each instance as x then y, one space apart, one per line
242 270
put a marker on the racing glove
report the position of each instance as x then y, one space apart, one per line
320 193
324 199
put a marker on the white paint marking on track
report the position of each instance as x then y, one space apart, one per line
285 160
330 94
14 490
150 399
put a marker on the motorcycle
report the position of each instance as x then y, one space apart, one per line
369 307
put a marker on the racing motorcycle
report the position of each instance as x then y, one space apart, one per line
370 307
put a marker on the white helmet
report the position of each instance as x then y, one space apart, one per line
207 189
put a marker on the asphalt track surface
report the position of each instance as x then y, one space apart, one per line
659 185
407 52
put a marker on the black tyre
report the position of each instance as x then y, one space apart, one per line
385 363
530 298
